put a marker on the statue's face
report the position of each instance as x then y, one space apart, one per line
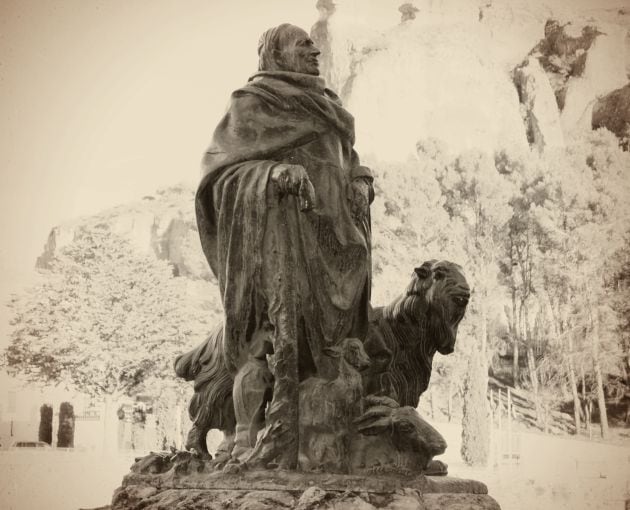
298 53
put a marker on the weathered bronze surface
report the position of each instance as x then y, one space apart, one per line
283 215
303 374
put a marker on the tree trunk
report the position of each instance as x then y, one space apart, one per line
514 342
483 319
521 324
432 402
601 398
515 374
449 400
107 412
531 366
531 360
514 332
574 388
576 398
110 424
586 403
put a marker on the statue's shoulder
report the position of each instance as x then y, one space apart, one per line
247 101
255 94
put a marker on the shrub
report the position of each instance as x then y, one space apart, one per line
65 434
45 423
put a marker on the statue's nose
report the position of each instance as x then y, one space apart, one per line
315 51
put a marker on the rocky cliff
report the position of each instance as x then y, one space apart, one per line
488 74
613 113
162 224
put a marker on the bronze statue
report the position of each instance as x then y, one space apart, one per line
304 377
284 221
401 341
283 216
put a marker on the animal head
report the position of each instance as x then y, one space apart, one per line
436 298
352 351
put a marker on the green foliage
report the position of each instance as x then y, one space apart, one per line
475 448
103 318
45 423
65 433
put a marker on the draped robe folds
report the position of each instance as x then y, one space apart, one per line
307 274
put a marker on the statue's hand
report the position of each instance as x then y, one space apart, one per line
293 180
361 193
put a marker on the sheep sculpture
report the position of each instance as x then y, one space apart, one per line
328 409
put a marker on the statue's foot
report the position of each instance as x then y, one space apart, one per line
196 441
187 462
154 463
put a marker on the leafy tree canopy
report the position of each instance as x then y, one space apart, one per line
103 318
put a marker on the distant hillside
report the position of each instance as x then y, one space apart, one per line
162 224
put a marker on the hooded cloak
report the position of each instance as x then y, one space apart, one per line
273 262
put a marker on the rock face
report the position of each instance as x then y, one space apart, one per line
313 498
410 71
613 113
540 113
563 56
582 61
160 481
163 224
419 78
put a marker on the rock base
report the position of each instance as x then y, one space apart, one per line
314 498
279 490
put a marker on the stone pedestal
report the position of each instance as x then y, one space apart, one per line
194 486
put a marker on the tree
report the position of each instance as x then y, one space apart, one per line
585 220
619 288
45 423
103 318
476 197
520 268
475 448
65 432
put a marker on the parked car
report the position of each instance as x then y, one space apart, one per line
19 445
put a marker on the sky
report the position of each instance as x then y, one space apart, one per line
104 101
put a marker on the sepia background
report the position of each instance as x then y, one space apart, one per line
107 107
